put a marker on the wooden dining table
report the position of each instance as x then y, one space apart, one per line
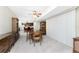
33 36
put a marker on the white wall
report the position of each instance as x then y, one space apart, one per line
21 26
77 22
36 26
62 28
5 20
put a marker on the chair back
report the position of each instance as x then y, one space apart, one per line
37 35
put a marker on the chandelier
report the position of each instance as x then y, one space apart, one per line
36 13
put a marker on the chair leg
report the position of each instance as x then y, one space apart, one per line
40 42
27 36
34 44
30 41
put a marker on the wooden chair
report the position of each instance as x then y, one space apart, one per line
29 32
30 35
37 37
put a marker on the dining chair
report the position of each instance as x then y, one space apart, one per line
37 37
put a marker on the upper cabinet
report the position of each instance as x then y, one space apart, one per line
43 27
15 26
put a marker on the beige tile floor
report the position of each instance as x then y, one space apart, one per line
48 46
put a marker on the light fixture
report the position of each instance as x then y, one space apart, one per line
36 13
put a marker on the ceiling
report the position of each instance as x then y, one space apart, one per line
25 12
59 10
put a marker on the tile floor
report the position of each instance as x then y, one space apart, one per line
48 46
